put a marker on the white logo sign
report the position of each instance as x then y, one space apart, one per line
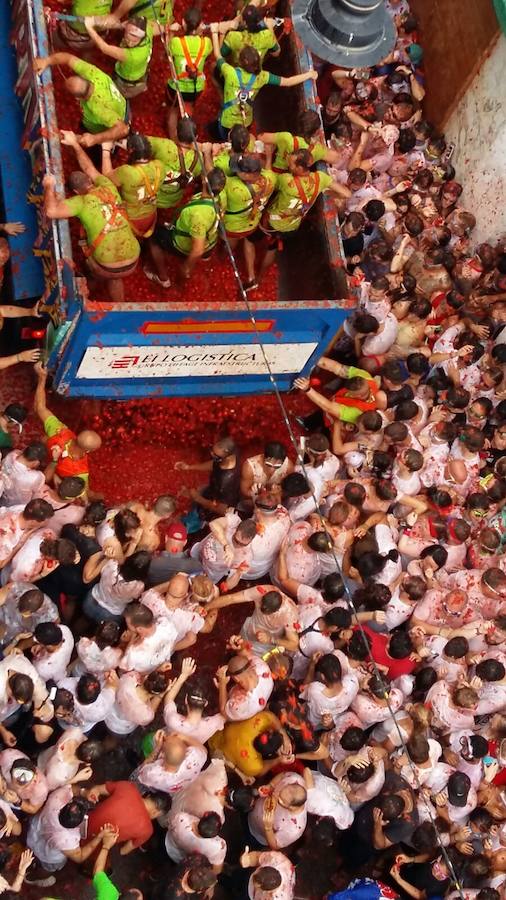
195 361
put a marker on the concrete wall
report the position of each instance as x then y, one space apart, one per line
477 126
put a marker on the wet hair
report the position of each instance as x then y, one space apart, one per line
377 686
124 521
156 682
294 485
186 130
381 463
465 697
268 744
275 450
458 397
360 774
414 587
88 689
437 553
400 645
425 838
271 602
209 825
139 615
357 177
333 587
72 814
94 513
65 552
478 500
338 617
239 137
21 687
472 438
374 210
38 510
309 121
438 497
267 878
64 699
192 18
490 670
35 452
418 748
17 412
406 141
89 751
413 460
247 529
354 493
417 364
364 323
31 601
413 224
138 147
372 595
424 679
328 669
359 646
108 634
396 431
320 542
392 806
456 647
353 739
136 566
478 866
249 60
371 421
242 798
48 634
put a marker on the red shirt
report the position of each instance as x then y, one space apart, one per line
379 652
125 809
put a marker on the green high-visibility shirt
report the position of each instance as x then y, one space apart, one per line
170 191
197 49
239 91
291 204
135 66
139 185
89 8
242 212
104 888
262 41
198 219
287 143
107 229
157 10
106 106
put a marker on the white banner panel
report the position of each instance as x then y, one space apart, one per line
196 360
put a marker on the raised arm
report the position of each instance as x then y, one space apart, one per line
293 80
69 139
41 63
39 400
54 207
111 50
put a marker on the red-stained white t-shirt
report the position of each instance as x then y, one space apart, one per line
243 704
154 774
54 665
282 864
21 484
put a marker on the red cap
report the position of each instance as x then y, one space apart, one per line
177 532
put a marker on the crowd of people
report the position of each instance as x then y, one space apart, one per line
358 714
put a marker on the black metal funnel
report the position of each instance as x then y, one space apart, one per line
347 33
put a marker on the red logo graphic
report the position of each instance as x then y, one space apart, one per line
124 362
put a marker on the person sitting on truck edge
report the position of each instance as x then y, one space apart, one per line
104 109
113 250
242 84
195 232
69 452
297 191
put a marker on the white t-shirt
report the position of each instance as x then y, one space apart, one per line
54 665
282 864
202 729
377 344
287 825
94 660
302 564
154 774
211 552
266 544
326 798
11 617
57 769
243 704
86 715
182 840
21 484
47 838
130 709
153 650
28 563
113 592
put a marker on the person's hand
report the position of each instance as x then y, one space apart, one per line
302 384
235 642
68 138
245 859
327 720
214 27
360 532
14 228
206 147
30 356
111 678
110 835
481 331
441 799
262 637
25 861
40 64
221 677
379 616
378 817
228 554
181 465
89 23
312 75
188 667
9 739
466 848
465 350
86 773
86 140
92 795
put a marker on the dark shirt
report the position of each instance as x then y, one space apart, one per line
421 877
165 565
69 579
353 246
224 484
